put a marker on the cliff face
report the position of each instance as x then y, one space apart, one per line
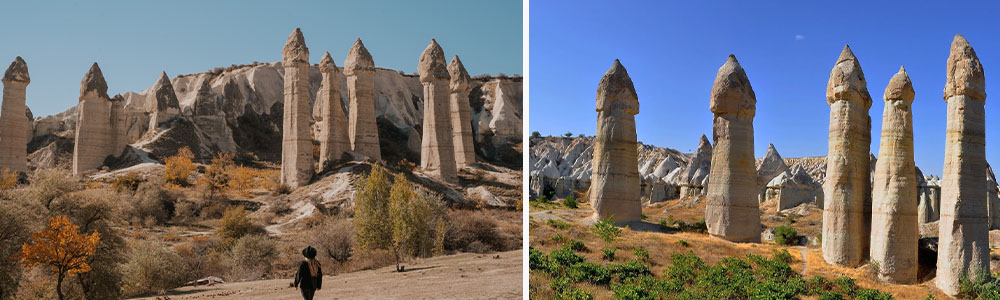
241 111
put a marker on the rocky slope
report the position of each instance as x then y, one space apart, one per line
239 109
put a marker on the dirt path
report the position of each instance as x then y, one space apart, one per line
460 276
805 258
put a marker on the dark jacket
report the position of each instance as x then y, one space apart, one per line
304 280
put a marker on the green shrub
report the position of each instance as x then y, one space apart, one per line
589 272
543 199
609 253
235 224
561 259
252 256
870 294
558 224
683 243
575 294
152 267
641 254
570 202
559 284
785 235
629 269
558 238
576 245
979 287
606 230
537 260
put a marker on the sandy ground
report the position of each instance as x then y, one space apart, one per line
460 276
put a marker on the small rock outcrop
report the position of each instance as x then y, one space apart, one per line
614 188
14 135
895 229
963 242
772 165
163 106
437 151
461 113
331 121
692 180
362 128
95 135
847 199
732 211
296 141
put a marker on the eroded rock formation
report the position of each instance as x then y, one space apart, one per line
332 122
437 151
692 180
362 129
894 213
95 135
963 245
847 199
14 129
296 141
614 189
163 105
732 211
465 152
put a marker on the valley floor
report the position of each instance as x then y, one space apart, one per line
460 276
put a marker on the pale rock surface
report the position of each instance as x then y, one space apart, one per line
772 165
296 142
163 105
963 244
847 199
437 150
894 232
14 129
331 121
94 134
929 199
362 128
692 178
791 189
461 113
614 189
992 198
732 211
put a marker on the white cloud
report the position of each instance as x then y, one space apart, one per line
799 37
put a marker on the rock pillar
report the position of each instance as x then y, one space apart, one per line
614 185
362 128
461 114
163 106
13 119
732 211
963 241
437 152
895 230
847 190
94 134
296 138
332 121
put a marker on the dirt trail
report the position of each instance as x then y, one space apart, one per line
460 276
805 258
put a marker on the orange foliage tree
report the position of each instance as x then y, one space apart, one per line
179 166
61 247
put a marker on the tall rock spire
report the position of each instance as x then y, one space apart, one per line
963 243
163 106
461 113
732 211
14 135
895 231
437 150
296 138
332 121
362 128
614 188
95 135
847 190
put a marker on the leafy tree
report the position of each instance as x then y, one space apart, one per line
536 135
606 230
235 224
179 166
371 211
217 174
568 134
785 235
414 216
62 248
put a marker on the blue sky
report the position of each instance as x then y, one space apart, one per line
133 41
672 50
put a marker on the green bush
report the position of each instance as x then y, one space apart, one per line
606 230
785 235
235 224
558 238
576 245
570 202
559 284
543 199
609 253
979 287
575 294
537 260
589 272
641 254
558 224
629 269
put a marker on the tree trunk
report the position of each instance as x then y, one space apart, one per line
59 281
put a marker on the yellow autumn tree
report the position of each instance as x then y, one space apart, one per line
62 247
179 166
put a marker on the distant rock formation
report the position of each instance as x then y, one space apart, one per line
732 211
895 229
362 129
296 142
614 189
163 105
963 242
465 151
95 136
331 120
790 189
929 198
693 179
437 151
772 165
847 200
14 127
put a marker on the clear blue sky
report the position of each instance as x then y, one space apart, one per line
133 41
672 50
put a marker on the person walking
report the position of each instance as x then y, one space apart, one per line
309 277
